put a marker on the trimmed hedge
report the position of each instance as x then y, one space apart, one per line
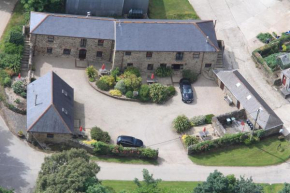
201 120
101 148
225 141
100 135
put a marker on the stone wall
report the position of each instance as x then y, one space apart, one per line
140 60
60 43
42 137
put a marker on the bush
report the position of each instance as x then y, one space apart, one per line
92 79
181 124
19 87
271 60
115 72
171 90
10 48
132 82
115 93
121 86
109 80
189 140
158 93
163 72
198 120
23 94
100 135
208 118
102 85
144 94
7 82
16 37
192 76
263 37
91 72
132 70
129 94
11 61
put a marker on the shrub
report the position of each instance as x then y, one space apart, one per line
198 120
18 87
129 94
100 135
181 124
91 72
208 118
16 37
115 93
121 86
163 72
101 148
10 48
157 92
23 94
115 72
263 37
132 70
144 94
271 60
132 82
109 80
189 140
11 61
102 85
17 101
171 90
192 76
7 82
92 79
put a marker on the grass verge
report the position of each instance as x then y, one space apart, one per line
171 9
124 160
269 150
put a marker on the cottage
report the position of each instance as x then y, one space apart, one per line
243 96
146 44
50 110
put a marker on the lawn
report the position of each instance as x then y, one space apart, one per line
124 160
273 188
171 9
268 150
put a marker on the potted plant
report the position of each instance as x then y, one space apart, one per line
20 134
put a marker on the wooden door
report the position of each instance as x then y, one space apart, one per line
82 54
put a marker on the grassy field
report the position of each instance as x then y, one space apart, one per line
268 150
124 160
171 9
170 186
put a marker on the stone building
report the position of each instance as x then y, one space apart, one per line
243 95
146 44
50 110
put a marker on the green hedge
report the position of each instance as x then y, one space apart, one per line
201 120
101 148
225 141
163 72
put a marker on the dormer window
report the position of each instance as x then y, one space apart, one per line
64 111
64 92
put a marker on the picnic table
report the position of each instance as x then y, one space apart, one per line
150 80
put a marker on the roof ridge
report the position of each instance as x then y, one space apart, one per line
39 22
39 117
83 17
217 49
61 119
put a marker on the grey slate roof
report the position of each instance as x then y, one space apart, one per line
163 35
72 26
131 35
45 104
284 58
267 118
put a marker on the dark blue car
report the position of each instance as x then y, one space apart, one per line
128 141
186 90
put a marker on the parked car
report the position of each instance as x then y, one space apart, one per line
128 141
186 90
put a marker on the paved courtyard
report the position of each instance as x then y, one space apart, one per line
150 122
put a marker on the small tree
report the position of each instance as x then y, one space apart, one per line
91 72
132 82
121 86
149 185
181 123
100 135
19 87
158 93
286 188
144 92
109 80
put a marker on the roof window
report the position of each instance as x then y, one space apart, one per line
249 97
64 92
238 84
64 111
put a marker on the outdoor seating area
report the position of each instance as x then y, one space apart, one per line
204 133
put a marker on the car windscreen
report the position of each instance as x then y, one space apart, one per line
187 90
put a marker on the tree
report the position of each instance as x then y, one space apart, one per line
3 190
243 185
148 185
98 188
158 92
54 6
69 171
286 188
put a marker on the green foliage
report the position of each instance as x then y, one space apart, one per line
284 48
101 148
115 92
263 37
3 190
92 79
132 82
149 184
91 72
52 6
19 87
23 94
115 72
218 183
98 188
192 76
11 61
132 70
7 82
190 140
158 93
121 86
68 171
144 93
129 94
17 101
286 188
10 48
171 90
101 84
109 80
271 60
181 123
163 72
16 37
208 118
100 135
198 120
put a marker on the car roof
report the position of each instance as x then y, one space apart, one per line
127 138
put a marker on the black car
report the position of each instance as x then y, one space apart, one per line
128 141
186 90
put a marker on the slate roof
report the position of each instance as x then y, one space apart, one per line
286 72
131 35
50 105
241 89
71 26
285 58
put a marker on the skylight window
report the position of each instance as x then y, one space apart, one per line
64 92
238 84
64 111
249 97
